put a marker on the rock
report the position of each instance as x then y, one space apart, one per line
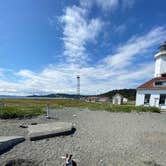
151 163
34 123
7 142
23 126
21 162
41 131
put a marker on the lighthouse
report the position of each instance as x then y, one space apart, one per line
160 61
153 92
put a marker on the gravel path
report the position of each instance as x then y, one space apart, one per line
101 139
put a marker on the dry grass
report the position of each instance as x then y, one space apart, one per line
33 107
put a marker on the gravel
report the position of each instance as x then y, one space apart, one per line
101 139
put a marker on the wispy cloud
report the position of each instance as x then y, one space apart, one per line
77 31
7 88
113 72
107 4
52 20
136 45
120 28
127 3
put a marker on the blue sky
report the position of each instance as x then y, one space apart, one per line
109 43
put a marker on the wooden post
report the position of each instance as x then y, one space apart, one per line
47 111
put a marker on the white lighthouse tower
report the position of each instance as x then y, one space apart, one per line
153 92
160 61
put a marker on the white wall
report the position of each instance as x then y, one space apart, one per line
163 64
157 67
125 100
160 63
154 98
117 99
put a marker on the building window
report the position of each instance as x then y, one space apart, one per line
162 100
147 99
160 83
163 75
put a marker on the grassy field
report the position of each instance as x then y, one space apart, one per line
20 108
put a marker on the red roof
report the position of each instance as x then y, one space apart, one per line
151 84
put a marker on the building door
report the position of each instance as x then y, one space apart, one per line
116 101
162 101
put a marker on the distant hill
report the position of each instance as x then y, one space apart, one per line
57 95
10 96
128 93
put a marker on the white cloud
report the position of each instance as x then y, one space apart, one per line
135 46
7 88
25 73
107 4
78 30
114 72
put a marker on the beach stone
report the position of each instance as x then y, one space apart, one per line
7 142
21 162
41 131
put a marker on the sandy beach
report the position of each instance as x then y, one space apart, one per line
101 139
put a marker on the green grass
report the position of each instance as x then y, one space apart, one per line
12 112
130 108
21 108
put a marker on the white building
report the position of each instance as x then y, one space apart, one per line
125 100
153 92
97 99
103 99
118 99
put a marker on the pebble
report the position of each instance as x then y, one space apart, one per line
101 137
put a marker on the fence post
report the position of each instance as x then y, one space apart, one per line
47 111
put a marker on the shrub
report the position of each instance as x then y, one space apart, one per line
147 109
12 112
127 108
121 108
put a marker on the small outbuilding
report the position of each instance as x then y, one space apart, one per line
125 100
103 99
97 99
92 99
117 99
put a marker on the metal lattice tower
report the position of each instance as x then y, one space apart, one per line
78 85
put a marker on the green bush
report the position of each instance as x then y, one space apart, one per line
120 108
147 109
127 108
12 112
